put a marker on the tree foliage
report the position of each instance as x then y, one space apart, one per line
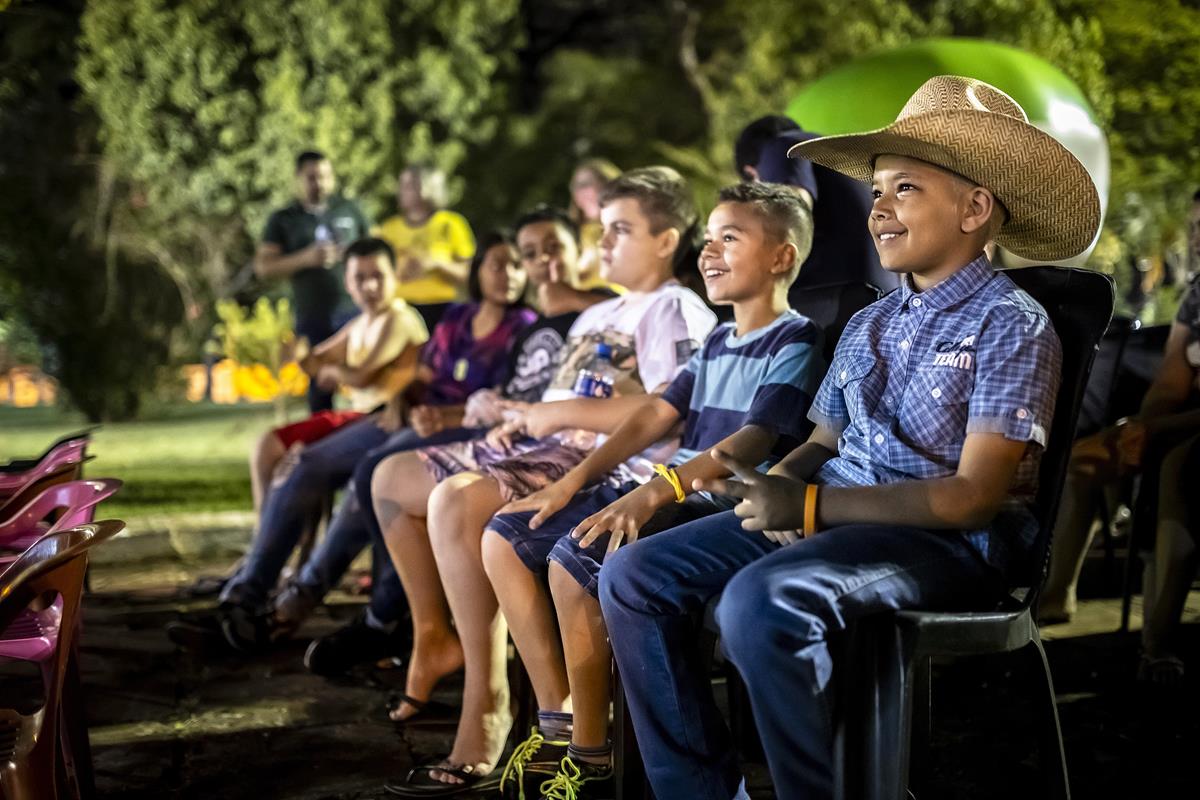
102 319
203 105
1152 65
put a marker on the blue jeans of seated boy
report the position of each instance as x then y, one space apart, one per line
321 468
353 527
553 542
654 592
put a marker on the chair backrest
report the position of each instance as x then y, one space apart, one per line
11 502
73 452
831 305
45 555
76 500
82 436
1079 303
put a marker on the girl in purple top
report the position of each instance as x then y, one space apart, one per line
469 348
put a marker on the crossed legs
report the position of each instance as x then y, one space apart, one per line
433 535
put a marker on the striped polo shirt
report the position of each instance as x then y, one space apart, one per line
767 378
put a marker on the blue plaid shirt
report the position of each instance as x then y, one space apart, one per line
914 373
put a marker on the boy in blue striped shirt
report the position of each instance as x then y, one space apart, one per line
747 389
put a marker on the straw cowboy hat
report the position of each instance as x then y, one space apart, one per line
972 128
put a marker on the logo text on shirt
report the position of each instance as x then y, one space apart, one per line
960 355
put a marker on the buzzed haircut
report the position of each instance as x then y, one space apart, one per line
545 213
748 148
662 194
309 156
371 246
784 215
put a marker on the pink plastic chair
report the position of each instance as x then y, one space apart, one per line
41 632
22 464
71 452
12 503
76 500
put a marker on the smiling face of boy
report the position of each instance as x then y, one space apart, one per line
740 256
927 221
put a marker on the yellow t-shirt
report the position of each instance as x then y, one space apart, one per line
445 237
362 336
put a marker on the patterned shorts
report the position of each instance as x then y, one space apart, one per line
529 465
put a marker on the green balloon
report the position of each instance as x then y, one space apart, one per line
868 93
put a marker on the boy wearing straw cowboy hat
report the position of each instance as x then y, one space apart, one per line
914 488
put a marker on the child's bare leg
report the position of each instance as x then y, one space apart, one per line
400 489
265 454
527 607
588 657
458 509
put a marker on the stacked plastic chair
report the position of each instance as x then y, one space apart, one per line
56 508
46 531
34 764
23 480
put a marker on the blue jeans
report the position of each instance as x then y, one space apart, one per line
289 508
654 591
353 527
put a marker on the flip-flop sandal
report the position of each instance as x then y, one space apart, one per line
420 781
424 709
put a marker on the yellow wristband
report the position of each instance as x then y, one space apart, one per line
810 510
672 477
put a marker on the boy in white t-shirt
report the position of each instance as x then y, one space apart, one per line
433 503
374 356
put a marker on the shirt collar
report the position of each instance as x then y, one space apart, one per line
959 286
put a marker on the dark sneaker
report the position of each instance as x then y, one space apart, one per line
578 780
532 763
291 607
245 629
347 647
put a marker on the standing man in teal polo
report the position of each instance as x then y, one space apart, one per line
304 242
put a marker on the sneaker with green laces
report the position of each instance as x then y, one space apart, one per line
578 780
531 764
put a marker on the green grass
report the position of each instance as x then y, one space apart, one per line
178 459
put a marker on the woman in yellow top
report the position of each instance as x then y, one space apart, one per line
433 245
587 182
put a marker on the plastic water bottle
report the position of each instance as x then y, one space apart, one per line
597 376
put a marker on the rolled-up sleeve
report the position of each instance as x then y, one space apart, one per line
1017 374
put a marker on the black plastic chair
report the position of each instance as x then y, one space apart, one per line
831 305
1144 503
887 658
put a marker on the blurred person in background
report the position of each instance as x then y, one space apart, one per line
587 182
305 242
434 245
842 249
